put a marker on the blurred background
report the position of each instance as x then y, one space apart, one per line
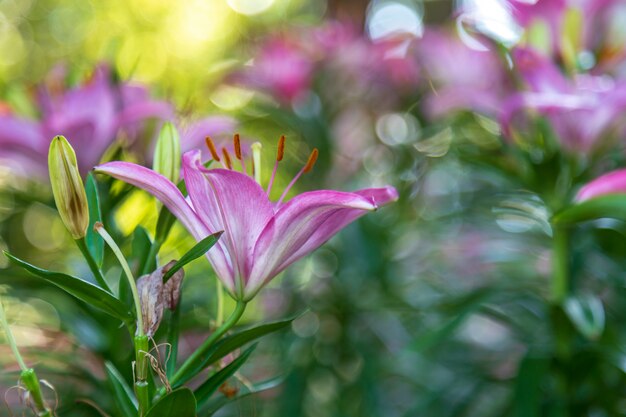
486 115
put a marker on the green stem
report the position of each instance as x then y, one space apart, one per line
219 291
92 264
129 275
560 264
28 376
10 339
141 374
31 382
196 357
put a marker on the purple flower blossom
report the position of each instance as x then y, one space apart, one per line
261 238
462 78
91 116
281 68
581 110
341 55
611 183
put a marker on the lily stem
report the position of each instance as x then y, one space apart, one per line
28 375
92 264
560 264
196 358
140 339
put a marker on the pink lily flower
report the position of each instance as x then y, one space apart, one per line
461 78
600 31
281 69
613 182
581 110
261 238
91 116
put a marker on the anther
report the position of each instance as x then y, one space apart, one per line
227 159
311 162
281 148
237 146
211 146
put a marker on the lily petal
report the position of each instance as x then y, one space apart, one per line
305 223
229 201
160 187
166 192
612 183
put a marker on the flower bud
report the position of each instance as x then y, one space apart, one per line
167 153
67 187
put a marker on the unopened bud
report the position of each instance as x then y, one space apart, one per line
67 187
167 153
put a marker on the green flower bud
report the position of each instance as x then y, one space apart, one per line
67 187
167 153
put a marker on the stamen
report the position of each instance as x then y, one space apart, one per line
280 153
311 162
211 146
256 161
229 163
281 149
306 168
237 146
238 155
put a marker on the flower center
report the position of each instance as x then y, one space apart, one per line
227 163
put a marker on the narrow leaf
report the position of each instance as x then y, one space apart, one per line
612 206
232 342
218 402
80 289
94 241
164 224
124 396
178 403
141 251
208 387
530 377
197 251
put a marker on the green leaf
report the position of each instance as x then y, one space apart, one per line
141 251
459 310
612 206
208 387
216 403
124 397
94 241
197 251
530 378
164 224
586 312
178 403
235 341
80 289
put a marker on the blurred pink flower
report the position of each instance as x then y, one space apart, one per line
600 21
611 183
261 238
281 68
90 116
286 65
581 110
193 135
461 78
